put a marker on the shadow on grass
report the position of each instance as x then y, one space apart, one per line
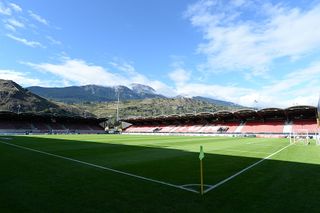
35 182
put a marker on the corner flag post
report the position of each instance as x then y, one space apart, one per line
201 156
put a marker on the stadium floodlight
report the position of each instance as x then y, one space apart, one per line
118 90
19 107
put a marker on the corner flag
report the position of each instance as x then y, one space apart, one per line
201 155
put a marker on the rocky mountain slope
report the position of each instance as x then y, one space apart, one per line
151 107
94 93
15 98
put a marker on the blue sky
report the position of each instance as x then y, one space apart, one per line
254 53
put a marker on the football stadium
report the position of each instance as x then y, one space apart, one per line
249 160
160 106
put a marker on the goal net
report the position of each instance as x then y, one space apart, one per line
300 136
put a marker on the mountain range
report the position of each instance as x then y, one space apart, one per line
150 107
94 93
217 102
92 100
15 98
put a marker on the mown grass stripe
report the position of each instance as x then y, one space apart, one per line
102 167
244 170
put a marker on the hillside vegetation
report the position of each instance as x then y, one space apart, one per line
141 100
14 98
150 107
94 93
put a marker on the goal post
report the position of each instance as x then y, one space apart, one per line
300 136
317 137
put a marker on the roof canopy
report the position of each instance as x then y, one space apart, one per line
295 112
37 116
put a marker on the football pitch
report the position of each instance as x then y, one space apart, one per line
126 173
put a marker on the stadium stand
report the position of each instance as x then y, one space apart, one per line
28 123
168 128
309 125
6 125
265 122
263 127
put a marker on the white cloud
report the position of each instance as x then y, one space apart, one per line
38 18
284 92
79 72
180 75
238 3
248 37
25 41
10 27
15 7
53 41
133 76
4 10
15 23
249 97
213 91
299 87
123 66
20 78
236 41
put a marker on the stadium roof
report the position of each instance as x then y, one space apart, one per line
272 112
295 112
300 108
44 116
302 112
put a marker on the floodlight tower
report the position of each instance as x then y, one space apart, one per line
19 106
118 104
255 102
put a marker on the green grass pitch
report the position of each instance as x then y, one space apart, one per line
30 181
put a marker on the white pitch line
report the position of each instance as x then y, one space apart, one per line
236 150
102 167
245 169
196 184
